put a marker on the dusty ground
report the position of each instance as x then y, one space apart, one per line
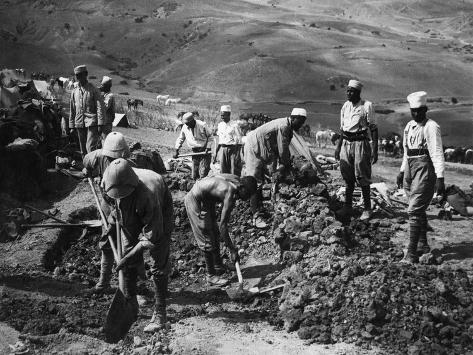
48 303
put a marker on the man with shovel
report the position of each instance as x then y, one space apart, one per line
197 135
95 164
200 205
145 215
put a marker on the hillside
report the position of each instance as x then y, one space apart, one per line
254 54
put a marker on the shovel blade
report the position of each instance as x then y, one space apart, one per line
120 317
237 294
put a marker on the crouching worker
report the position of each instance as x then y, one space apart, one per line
200 205
145 214
95 164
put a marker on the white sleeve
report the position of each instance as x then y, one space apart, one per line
180 139
370 114
434 145
404 144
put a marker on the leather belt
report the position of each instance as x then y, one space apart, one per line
417 152
354 137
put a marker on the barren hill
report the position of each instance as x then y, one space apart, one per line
255 53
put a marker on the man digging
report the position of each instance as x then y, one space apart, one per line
422 168
200 205
358 127
95 164
197 135
145 212
269 145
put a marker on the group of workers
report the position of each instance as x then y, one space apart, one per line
140 201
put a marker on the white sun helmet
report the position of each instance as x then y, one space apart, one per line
119 179
115 146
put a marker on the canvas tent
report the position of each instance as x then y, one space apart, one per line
120 120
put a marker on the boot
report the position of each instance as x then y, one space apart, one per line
220 269
106 265
415 230
159 318
212 277
345 211
423 247
209 262
367 212
130 276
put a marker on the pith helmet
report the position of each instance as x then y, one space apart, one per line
119 179
115 146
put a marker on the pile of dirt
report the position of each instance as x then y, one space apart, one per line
346 283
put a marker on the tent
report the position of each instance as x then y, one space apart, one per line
120 120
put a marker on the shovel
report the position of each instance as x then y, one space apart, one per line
237 294
121 314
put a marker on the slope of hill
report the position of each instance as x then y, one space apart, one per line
250 52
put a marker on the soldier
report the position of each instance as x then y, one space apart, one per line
197 135
229 143
358 127
144 212
422 169
87 113
109 107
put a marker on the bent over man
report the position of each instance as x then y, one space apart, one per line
422 167
86 112
358 127
144 210
200 205
95 164
197 135
266 144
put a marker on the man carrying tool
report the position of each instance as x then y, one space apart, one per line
86 112
422 169
358 128
95 164
265 145
197 135
229 144
145 215
109 107
200 205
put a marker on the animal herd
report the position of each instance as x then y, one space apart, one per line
167 100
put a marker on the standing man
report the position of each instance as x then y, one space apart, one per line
358 128
144 210
422 168
267 145
201 204
87 113
228 144
197 135
109 107
95 164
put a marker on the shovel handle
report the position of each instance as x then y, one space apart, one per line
121 277
238 271
104 220
46 214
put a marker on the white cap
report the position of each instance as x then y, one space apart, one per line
187 117
225 108
355 84
299 112
106 79
417 99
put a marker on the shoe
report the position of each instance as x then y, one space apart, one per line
158 322
423 248
366 215
215 280
410 259
99 289
345 211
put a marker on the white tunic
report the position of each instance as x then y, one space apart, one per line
196 139
228 133
425 135
357 118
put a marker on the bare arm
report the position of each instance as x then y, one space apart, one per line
228 204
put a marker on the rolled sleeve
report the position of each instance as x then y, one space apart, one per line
180 139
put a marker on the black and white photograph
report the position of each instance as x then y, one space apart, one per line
246 177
